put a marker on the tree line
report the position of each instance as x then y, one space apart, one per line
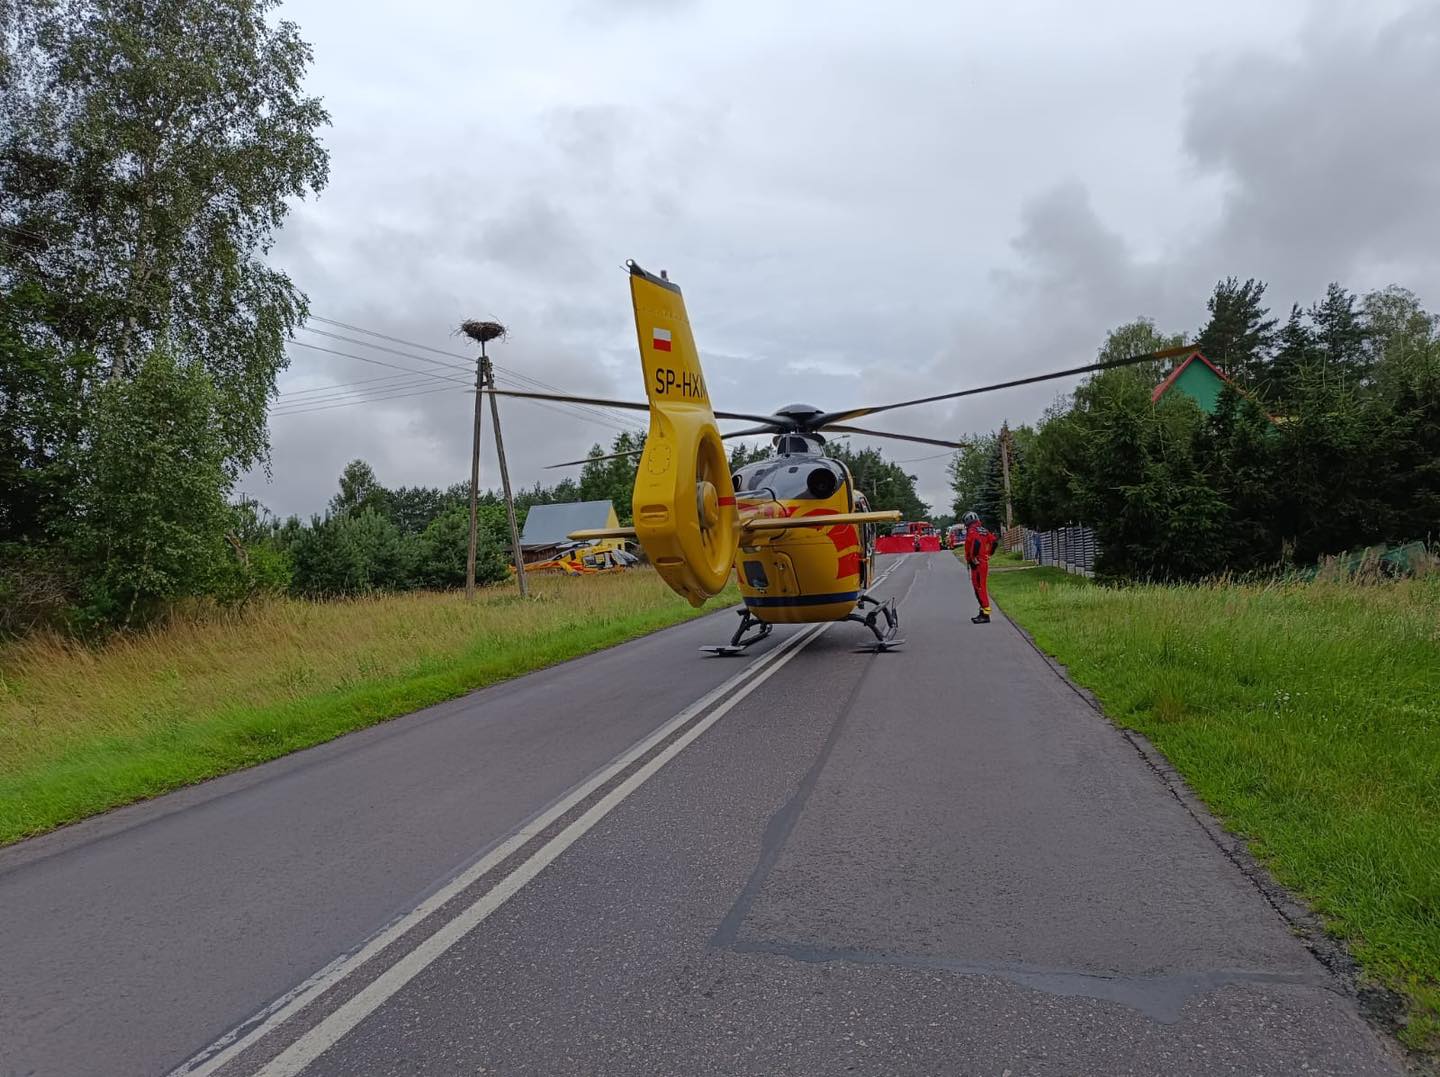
1326 440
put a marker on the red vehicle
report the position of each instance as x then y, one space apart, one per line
914 536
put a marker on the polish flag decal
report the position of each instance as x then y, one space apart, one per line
661 340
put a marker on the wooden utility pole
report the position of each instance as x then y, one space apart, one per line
1005 473
489 375
474 477
483 333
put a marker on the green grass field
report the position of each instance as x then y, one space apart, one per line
85 729
1306 716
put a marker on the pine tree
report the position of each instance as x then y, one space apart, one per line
1238 336
1340 336
740 455
885 484
613 480
1296 352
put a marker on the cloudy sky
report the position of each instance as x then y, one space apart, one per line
862 202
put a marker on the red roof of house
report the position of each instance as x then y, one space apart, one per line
1179 369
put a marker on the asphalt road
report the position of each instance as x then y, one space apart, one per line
647 861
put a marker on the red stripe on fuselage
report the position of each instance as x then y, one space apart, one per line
844 537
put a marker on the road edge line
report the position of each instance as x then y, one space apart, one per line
217 1054
337 1024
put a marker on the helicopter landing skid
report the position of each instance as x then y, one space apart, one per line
885 640
739 641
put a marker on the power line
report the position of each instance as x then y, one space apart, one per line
383 348
346 398
347 385
933 456
607 417
392 340
424 359
353 403
382 393
523 379
510 374
22 232
380 362
580 411
341 385
16 248
373 392
582 418
302 406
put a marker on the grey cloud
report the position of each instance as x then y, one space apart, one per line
611 12
1329 157
535 236
591 139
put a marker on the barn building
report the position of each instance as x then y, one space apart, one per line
546 526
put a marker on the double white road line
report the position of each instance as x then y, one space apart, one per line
328 1029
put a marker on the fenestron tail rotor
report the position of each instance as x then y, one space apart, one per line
684 500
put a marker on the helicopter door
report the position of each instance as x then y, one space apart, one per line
767 572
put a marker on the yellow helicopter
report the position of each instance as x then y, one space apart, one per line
798 535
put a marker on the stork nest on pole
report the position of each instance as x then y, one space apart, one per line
484 332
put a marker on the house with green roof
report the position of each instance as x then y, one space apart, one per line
1202 381
1196 377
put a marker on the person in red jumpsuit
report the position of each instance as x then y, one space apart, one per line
979 545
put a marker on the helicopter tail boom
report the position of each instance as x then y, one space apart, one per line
684 500
602 533
780 524
835 519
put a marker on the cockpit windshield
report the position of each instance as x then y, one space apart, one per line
791 478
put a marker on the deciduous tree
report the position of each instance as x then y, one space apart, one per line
149 149
150 510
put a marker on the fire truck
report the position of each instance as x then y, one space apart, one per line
912 536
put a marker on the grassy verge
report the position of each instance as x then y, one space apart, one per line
1306 716
1007 559
86 729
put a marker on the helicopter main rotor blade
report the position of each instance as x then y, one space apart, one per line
831 417
636 452
566 398
595 459
897 437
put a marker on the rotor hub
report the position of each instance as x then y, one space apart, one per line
707 504
800 416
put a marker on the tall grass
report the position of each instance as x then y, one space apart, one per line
1306 715
83 729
